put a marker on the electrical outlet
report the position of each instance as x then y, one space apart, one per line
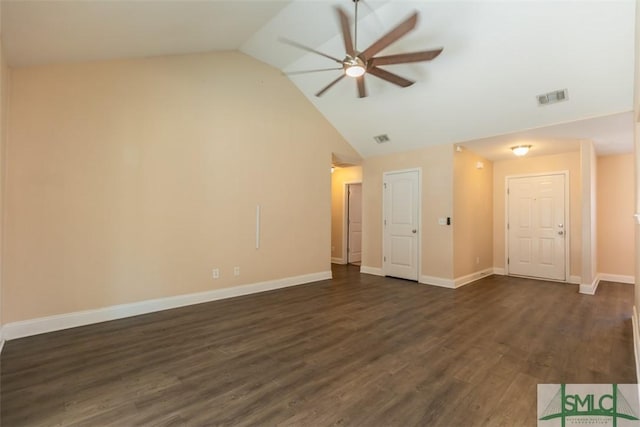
216 273
236 271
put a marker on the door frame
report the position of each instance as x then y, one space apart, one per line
384 214
345 219
567 220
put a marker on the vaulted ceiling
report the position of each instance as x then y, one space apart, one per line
498 56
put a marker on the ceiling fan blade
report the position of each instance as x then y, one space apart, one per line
404 58
293 73
346 32
308 49
330 85
400 30
390 77
362 90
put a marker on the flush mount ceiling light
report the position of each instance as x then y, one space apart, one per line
520 150
354 67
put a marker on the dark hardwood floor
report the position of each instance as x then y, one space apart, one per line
358 350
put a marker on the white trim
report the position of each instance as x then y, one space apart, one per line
371 270
499 271
636 342
335 260
58 322
1 340
617 278
575 280
590 289
438 281
567 217
458 282
470 278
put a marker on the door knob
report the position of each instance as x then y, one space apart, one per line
561 232
414 231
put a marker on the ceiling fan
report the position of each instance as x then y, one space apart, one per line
357 64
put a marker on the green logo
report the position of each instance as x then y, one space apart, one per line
599 404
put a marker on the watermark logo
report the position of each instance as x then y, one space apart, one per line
563 405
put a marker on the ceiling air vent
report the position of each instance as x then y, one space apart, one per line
553 97
381 139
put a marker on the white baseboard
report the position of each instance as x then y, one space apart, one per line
590 288
42 325
470 278
438 281
341 261
617 278
636 342
1 340
458 281
371 270
576 280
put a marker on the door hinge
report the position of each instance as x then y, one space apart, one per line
508 226
385 222
508 191
385 185
384 258
508 260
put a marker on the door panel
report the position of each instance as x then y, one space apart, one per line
354 244
536 230
401 210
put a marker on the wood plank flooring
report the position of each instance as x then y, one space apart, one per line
358 350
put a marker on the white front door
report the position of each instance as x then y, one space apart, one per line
400 221
536 226
354 243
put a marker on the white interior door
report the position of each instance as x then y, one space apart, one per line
401 219
354 224
536 226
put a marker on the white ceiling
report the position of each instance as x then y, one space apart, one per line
611 135
497 57
45 31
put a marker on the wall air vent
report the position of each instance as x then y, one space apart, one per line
381 139
553 97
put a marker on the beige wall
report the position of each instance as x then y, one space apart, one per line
636 110
339 178
472 213
4 79
531 165
131 180
436 163
615 189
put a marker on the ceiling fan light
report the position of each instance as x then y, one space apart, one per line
520 150
355 70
